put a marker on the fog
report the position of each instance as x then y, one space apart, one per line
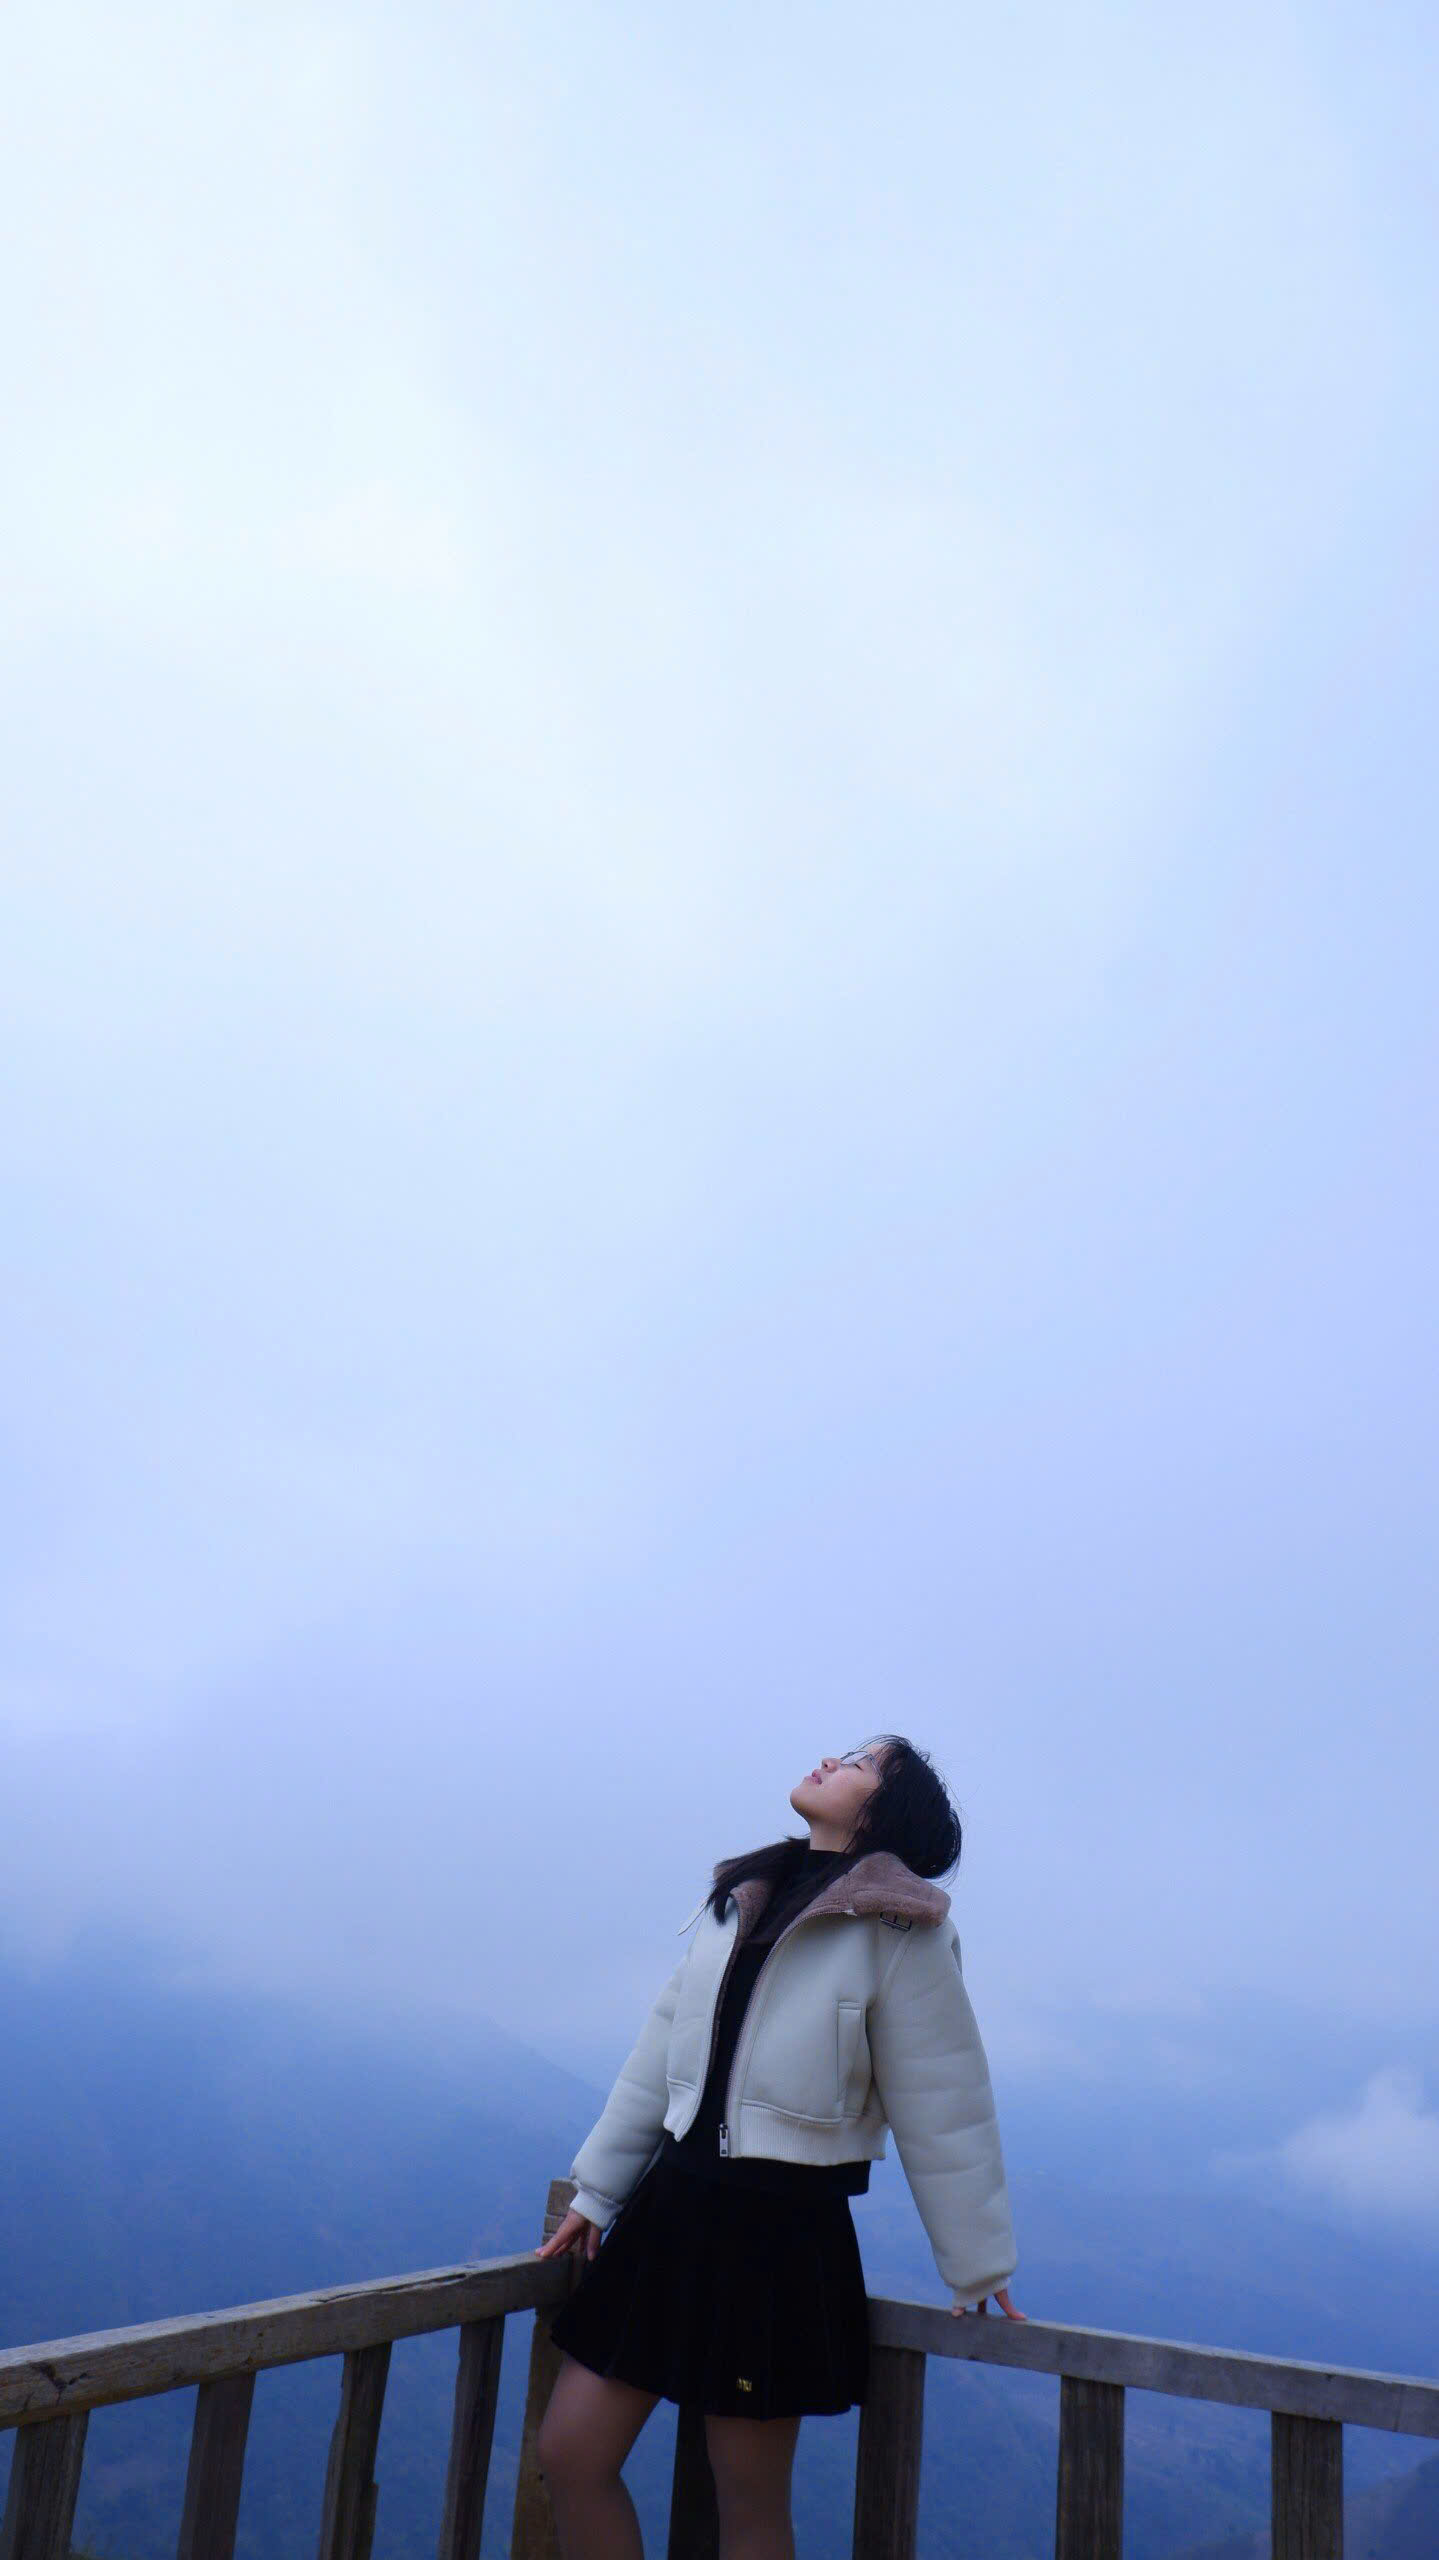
718 995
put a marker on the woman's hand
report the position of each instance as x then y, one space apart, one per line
574 2233
959 2309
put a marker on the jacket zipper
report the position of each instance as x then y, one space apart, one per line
747 2029
714 2032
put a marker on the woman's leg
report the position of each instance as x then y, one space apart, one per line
752 2459
586 2432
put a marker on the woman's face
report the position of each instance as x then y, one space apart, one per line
831 1797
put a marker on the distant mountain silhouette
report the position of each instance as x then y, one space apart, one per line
1399 2520
168 2149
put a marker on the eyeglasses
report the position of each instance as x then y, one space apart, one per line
858 1760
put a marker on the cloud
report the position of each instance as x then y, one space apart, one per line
1381 2157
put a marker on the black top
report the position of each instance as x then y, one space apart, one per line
698 2151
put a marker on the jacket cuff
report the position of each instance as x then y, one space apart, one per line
598 2209
972 2295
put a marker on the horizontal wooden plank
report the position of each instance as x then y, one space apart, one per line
1405 2404
65 2375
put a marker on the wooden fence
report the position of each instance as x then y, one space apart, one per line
47 2393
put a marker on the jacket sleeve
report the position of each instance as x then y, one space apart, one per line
615 2154
933 2081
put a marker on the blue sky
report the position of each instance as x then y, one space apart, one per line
717 987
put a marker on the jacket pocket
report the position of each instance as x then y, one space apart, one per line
849 2032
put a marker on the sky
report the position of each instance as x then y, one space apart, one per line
718 784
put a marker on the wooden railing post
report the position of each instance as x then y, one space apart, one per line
533 2536
472 2433
1089 2505
44 2485
347 2521
694 2516
217 2466
891 2439
1306 2474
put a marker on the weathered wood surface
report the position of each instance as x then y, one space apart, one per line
694 2516
217 2466
1306 2488
347 2519
1405 2404
1089 2499
66 2375
891 2440
472 2433
532 2534
44 2485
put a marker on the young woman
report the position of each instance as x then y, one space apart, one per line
820 2002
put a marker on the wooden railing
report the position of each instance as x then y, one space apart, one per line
47 2393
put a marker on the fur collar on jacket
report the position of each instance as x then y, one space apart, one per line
880 1883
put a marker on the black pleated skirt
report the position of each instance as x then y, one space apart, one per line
742 2304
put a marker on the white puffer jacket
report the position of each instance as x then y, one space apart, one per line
858 2020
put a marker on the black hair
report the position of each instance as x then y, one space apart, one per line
910 1813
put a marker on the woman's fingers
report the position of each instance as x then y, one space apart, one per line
960 2310
573 2229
